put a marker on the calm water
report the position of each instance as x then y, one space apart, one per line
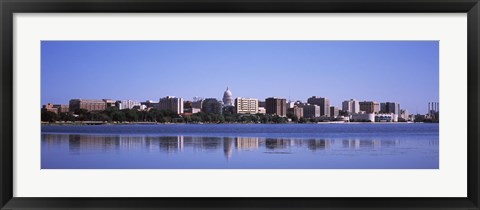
245 146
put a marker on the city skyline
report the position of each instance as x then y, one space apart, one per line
405 72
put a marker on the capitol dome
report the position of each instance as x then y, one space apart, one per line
227 98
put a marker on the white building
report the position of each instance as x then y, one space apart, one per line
352 106
246 105
171 103
127 104
404 114
227 98
290 104
390 117
262 110
363 117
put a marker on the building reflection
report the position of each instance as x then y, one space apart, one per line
373 144
246 143
167 144
276 143
54 140
228 143
319 144
81 143
87 143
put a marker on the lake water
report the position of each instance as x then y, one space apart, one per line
241 146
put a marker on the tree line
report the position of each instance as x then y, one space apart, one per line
113 114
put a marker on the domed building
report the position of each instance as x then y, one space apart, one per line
227 98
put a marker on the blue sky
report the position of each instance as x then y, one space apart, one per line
406 72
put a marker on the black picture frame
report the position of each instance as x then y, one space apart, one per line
9 7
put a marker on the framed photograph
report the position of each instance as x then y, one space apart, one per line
239 105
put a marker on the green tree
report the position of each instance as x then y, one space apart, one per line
47 116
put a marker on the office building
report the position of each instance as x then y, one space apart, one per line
334 112
262 110
323 103
150 104
127 104
390 107
310 110
370 106
296 111
212 105
261 104
171 103
351 106
246 105
50 108
276 106
88 104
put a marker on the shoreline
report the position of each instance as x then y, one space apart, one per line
86 123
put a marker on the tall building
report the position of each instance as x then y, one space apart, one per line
171 103
197 102
227 98
212 105
290 104
246 105
90 105
370 106
297 111
334 111
310 110
390 107
323 103
261 104
352 106
276 106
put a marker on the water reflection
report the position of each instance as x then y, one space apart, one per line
78 144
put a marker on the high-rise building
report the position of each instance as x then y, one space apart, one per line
261 104
370 106
90 105
197 102
246 105
276 106
171 103
310 110
390 107
296 111
351 106
227 98
290 104
323 103
334 111
212 105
